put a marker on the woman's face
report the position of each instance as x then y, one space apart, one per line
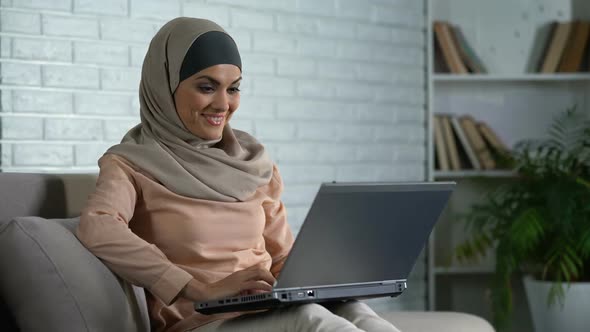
206 101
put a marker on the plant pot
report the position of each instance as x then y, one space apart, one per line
573 316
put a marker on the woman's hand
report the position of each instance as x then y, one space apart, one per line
254 279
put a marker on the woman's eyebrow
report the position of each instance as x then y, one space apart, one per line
216 82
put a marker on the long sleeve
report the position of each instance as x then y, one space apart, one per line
104 230
277 234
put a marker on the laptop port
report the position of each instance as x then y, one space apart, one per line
284 296
310 293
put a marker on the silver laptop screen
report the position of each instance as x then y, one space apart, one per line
357 233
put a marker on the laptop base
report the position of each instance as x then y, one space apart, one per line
283 297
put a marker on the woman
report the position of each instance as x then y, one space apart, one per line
189 208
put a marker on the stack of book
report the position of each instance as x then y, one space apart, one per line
566 47
452 52
461 142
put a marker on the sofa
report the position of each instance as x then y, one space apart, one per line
50 282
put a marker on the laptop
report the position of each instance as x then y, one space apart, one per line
358 241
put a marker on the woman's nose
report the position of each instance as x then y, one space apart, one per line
220 101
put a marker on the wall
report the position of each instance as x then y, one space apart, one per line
334 88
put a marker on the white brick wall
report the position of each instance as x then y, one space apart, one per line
41 49
39 101
103 7
67 76
334 88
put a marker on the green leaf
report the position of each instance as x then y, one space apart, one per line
556 294
584 244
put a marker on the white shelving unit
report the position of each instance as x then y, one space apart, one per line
524 78
463 270
466 174
514 102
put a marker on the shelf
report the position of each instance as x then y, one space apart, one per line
463 270
512 78
474 174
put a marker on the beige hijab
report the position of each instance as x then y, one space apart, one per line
229 169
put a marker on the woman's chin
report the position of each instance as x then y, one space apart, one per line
208 136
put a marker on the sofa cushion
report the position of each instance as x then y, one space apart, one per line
439 321
51 282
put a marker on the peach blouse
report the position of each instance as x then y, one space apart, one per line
159 240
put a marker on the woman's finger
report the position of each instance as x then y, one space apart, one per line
255 286
261 274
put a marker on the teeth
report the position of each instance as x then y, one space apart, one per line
216 119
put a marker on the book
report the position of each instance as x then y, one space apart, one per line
469 57
556 47
449 50
439 63
585 65
464 144
575 48
489 135
449 138
483 154
439 145
540 46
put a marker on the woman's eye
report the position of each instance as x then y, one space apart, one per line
234 90
206 88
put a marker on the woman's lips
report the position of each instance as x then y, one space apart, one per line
214 119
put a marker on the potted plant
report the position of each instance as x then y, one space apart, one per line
539 226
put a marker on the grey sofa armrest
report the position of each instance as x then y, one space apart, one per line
51 282
41 256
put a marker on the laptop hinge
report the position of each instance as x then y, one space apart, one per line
376 283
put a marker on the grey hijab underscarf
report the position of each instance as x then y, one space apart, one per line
228 169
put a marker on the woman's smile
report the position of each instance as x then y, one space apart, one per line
214 119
